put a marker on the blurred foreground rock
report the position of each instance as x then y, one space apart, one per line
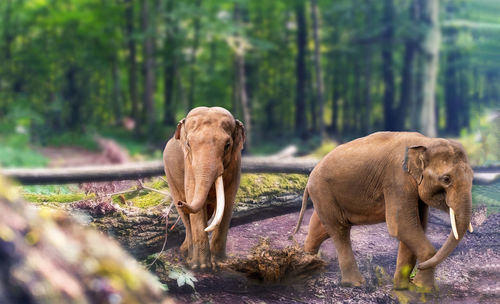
45 257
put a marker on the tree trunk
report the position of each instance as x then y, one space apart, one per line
300 103
132 78
242 86
192 61
387 66
170 68
366 124
317 64
430 53
451 89
148 63
335 94
7 37
407 91
116 96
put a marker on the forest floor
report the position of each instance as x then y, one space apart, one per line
470 275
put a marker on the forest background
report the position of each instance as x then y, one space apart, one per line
314 73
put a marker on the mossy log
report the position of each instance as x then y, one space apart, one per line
46 257
142 231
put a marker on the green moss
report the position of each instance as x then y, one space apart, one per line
253 186
146 199
54 198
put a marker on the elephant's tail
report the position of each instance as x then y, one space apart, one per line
302 210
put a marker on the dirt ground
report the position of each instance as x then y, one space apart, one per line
470 275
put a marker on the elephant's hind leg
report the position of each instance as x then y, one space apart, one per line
316 235
341 235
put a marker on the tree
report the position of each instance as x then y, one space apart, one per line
387 66
194 50
240 48
132 62
148 63
170 65
300 103
317 66
429 47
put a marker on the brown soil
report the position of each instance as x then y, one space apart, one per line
470 275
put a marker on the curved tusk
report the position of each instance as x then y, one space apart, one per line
470 228
453 223
219 211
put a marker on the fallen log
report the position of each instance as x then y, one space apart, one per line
133 171
142 231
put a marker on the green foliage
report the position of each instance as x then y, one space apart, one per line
483 141
15 151
74 139
183 277
54 198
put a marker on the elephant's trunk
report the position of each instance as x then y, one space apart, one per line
205 175
460 216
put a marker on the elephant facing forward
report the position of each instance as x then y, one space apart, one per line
392 177
202 165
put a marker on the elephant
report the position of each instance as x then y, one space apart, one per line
392 177
203 167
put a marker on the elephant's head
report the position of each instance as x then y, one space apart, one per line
444 178
212 141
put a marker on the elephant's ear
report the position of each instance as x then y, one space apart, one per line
179 127
414 162
239 136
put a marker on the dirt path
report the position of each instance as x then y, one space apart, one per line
470 275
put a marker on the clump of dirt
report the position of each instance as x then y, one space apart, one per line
269 265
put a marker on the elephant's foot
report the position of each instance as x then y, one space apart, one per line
218 259
200 260
424 280
401 283
352 280
402 277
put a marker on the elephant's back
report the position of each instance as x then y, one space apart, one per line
364 156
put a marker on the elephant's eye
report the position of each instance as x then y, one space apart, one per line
187 144
446 179
226 147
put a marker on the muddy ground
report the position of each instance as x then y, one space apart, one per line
470 275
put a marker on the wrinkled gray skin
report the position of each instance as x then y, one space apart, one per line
392 177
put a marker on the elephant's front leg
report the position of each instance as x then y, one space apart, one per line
187 246
219 236
404 265
200 257
406 221
407 259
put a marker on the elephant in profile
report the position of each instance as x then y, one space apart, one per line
202 164
392 177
